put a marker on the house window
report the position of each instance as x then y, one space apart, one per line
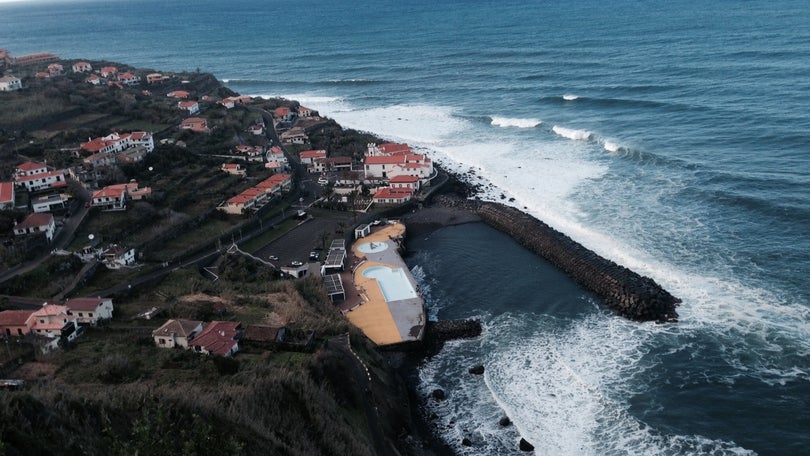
90 314
80 314
162 341
42 321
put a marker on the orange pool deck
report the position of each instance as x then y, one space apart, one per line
384 322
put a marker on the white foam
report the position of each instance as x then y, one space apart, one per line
515 122
564 387
570 133
569 97
310 100
610 146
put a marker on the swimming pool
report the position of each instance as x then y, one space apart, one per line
394 283
373 247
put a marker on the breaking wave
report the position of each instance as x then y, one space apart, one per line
508 122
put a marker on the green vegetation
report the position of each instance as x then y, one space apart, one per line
113 391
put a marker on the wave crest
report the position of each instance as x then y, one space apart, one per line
513 122
570 133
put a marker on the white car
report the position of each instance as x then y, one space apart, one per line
296 263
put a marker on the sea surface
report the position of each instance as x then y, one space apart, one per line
671 137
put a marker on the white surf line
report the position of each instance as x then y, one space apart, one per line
349 344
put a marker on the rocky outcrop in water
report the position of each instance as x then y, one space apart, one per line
631 295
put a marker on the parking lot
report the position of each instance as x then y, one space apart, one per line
297 244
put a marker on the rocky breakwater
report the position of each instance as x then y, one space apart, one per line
631 295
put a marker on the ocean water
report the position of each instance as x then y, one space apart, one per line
672 137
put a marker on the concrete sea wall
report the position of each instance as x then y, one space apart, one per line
631 295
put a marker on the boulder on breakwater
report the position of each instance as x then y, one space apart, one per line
631 295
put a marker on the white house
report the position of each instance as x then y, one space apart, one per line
192 107
37 223
50 179
177 333
82 67
90 311
10 83
29 169
116 257
49 203
128 79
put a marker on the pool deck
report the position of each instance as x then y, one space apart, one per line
385 323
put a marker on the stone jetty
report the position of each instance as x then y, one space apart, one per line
631 295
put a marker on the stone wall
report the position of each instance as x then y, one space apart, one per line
631 295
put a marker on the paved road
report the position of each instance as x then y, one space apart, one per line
64 236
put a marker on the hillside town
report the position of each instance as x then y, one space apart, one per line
273 165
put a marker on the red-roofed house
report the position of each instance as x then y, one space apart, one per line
387 195
52 321
30 168
50 179
111 197
230 102
405 181
283 113
115 196
37 223
108 71
276 154
191 106
178 94
234 168
308 156
295 135
6 195
115 142
55 69
93 79
14 323
195 124
276 183
388 149
177 333
82 67
128 79
306 112
90 311
218 338
388 166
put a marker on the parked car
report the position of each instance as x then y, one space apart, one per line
296 263
313 255
272 258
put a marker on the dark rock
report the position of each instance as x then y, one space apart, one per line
466 442
438 394
505 421
526 446
477 370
